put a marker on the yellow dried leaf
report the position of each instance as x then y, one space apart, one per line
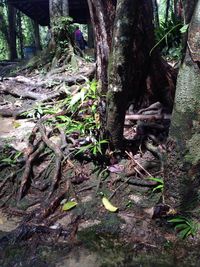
108 205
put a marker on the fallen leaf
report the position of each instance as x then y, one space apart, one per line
108 205
116 168
69 205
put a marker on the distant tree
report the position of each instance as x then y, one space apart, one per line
36 30
4 36
20 34
12 32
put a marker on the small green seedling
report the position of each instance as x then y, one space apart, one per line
185 227
159 187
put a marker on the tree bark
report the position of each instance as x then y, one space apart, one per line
55 9
102 16
65 7
188 6
182 184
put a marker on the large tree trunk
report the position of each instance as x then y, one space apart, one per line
122 74
102 16
12 32
61 44
132 64
182 184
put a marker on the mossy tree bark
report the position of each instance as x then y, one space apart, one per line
182 184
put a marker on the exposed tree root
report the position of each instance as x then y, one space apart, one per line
50 207
9 177
58 159
26 179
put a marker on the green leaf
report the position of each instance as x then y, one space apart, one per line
76 98
159 187
178 219
184 28
40 110
184 233
159 180
181 226
83 149
69 205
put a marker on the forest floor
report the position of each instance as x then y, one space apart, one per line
56 166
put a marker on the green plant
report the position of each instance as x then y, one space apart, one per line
185 226
159 184
39 110
169 36
11 159
95 147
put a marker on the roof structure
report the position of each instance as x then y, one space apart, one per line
38 10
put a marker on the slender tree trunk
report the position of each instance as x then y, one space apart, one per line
102 16
20 34
182 184
37 36
12 32
90 35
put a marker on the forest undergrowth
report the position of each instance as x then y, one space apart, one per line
67 177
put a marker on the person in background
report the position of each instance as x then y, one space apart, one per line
78 35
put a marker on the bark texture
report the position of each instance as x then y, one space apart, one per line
183 183
102 16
